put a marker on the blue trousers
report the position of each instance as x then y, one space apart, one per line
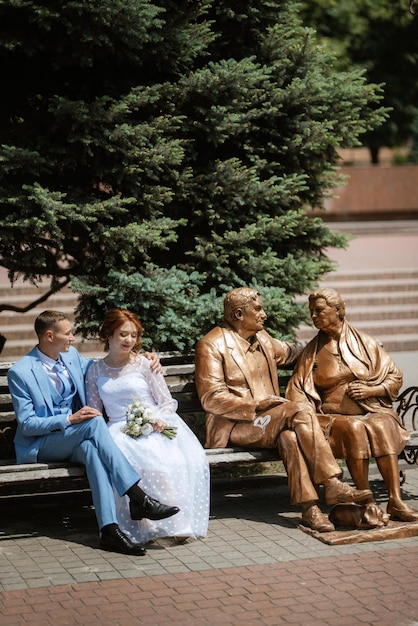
90 444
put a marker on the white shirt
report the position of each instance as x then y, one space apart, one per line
49 367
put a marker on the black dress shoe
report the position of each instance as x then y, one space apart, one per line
116 541
151 509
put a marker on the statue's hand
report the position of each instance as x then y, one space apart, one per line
359 391
268 402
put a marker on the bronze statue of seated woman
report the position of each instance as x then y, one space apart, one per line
352 382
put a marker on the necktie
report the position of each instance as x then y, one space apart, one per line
254 344
66 384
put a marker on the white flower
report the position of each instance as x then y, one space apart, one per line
149 415
140 420
136 430
147 429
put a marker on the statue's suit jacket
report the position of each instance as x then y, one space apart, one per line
224 383
33 404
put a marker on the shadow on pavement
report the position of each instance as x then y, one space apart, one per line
71 517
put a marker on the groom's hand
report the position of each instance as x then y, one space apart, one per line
86 413
155 362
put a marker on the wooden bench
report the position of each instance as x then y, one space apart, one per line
26 479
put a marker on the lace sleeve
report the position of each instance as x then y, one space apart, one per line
92 392
159 389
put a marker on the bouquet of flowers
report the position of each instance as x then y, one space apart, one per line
140 420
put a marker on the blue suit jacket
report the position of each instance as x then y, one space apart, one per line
32 400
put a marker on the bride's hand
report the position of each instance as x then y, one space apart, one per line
159 426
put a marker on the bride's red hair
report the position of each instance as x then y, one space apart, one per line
113 320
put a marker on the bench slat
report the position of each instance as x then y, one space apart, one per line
11 472
233 455
38 471
179 375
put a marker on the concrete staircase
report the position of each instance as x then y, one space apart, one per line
382 303
18 327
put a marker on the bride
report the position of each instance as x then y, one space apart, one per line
173 470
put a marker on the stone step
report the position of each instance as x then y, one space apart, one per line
53 302
380 298
375 227
381 311
15 348
391 279
383 303
12 319
22 291
379 327
391 343
373 273
346 283
371 285
374 323
21 332
405 342
24 299
68 302
380 315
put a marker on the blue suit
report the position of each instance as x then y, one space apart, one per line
44 435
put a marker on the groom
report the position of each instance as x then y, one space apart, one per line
53 424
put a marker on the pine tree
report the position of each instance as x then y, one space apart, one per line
159 154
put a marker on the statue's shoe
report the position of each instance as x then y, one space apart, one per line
405 514
315 519
339 493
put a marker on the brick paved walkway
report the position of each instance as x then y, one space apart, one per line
255 567
375 588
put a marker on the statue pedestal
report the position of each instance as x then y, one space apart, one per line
393 530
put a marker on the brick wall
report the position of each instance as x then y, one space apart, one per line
373 191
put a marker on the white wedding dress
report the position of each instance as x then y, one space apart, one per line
174 471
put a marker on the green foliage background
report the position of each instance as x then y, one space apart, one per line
162 153
382 38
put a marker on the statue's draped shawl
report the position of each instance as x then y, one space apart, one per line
366 360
